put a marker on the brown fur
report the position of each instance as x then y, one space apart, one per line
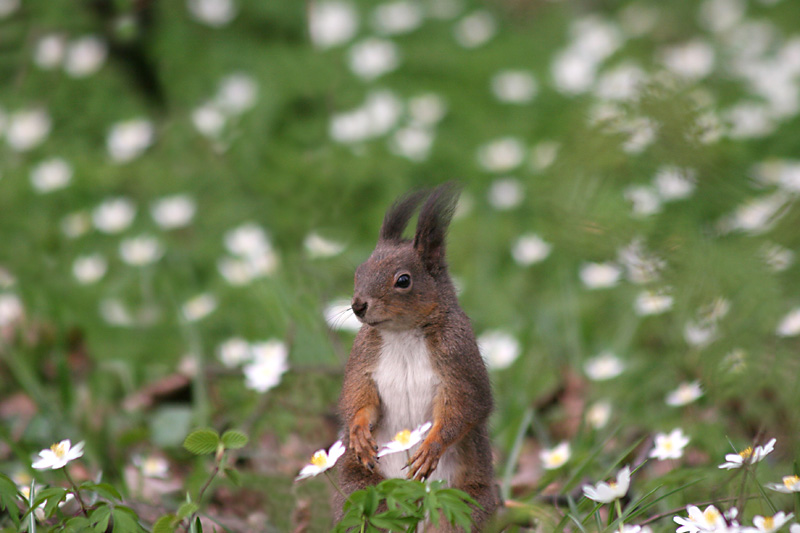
462 400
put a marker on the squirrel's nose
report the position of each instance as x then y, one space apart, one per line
359 307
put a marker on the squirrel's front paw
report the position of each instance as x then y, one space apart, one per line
424 462
364 445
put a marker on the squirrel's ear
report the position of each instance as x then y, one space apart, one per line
397 217
434 218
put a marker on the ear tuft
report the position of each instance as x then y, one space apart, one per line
397 217
434 219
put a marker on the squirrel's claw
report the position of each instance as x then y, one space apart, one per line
364 446
424 462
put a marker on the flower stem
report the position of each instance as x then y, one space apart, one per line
335 486
618 506
741 503
76 491
218 462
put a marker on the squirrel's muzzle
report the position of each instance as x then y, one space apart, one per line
359 307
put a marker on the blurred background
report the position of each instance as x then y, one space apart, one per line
187 187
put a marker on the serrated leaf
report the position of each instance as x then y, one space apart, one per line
233 439
387 523
187 509
166 524
53 501
46 494
233 475
201 441
100 518
125 520
9 504
107 491
78 523
371 501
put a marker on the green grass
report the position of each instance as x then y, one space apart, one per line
281 170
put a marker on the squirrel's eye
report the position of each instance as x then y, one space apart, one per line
403 281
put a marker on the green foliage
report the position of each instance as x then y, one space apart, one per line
104 490
125 520
166 524
234 476
187 509
100 517
89 373
8 498
50 497
233 439
202 441
399 505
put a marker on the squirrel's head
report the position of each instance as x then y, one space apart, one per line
405 281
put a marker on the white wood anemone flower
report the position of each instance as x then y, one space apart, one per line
613 490
404 440
58 455
749 456
790 484
768 524
709 520
322 461
555 457
635 529
686 393
669 446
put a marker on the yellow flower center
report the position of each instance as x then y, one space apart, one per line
59 449
668 445
152 465
404 437
612 484
746 453
791 481
319 458
710 515
769 522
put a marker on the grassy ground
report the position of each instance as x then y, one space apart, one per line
685 156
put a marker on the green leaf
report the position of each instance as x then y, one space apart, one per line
233 475
105 490
79 524
233 440
100 517
10 506
202 441
166 524
8 498
46 494
371 501
125 520
57 496
187 509
387 523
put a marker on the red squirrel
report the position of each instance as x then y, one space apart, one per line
414 360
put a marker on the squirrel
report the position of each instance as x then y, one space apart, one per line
414 360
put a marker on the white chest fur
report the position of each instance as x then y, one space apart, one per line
407 385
